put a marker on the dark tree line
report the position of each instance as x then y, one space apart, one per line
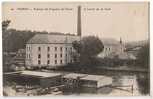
143 60
16 39
143 57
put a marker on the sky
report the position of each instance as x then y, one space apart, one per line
128 20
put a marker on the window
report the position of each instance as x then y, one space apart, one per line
70 48
48 48
55 55
66 48
71 60
29 48
39 48
61 61
29 55
55 61
39 62
39 56
61 55
48 62
75 59
55 48
48 55
61 48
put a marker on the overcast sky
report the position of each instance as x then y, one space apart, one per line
128 20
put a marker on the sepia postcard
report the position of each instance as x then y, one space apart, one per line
76 48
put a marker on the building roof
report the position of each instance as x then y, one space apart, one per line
74 75
92 77
100 79
127 56
109 41
39 74
53 38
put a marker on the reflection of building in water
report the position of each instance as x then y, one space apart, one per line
112 47
125 85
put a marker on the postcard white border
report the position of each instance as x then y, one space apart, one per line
82 97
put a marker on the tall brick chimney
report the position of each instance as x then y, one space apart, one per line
79 29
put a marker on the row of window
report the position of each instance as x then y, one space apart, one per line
48 48
55 48
107 49
48 55
48 62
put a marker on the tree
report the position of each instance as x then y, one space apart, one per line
143 62
5 33
143 56
15 39
5 24
88 48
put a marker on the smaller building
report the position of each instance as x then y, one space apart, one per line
111 47
32 78
86 83
94 83
19 59
134 50
72 81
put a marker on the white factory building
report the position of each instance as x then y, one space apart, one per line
50 50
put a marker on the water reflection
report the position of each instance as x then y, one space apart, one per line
122 85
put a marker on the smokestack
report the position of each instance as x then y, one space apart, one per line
79 21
